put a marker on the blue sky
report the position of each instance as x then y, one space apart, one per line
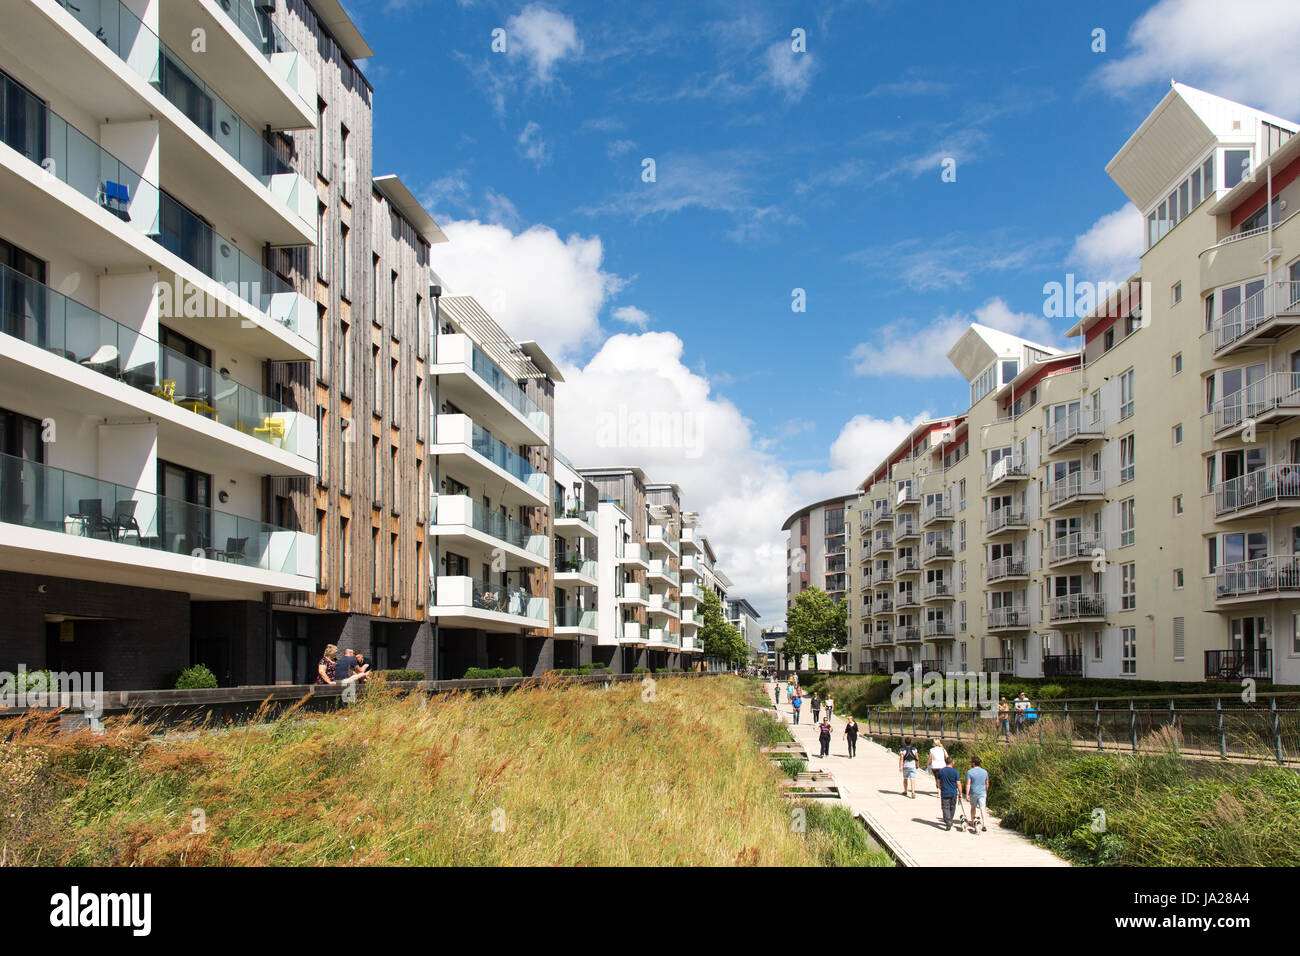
778 170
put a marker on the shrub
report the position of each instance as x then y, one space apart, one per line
395 675
792 766
196 678
40 680
489 673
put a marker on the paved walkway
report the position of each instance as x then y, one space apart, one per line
870 784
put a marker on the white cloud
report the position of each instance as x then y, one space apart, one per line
921 351
535 284
788 72
533 146
544 37
631 315
618 147
1246 52
1110 249
864 442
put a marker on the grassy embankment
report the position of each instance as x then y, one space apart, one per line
550 775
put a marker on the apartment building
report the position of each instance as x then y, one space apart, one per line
742 616
1023 537
818 553
152 195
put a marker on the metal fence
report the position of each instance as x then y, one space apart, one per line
1206 725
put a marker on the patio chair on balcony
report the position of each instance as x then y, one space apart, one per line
104 361
141 377
235 548
124 521
90 512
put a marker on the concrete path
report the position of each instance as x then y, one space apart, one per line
870 784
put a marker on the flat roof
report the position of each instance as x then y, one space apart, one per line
542 360
403 201
344 30
807 509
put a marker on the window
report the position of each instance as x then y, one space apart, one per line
396 479
1108 340
1126 522
1178 434
393 379
323 250
1179 580
1126 464
345 552
1096 645
320 442
961 495
392 564
1180 639
1128 587
1295 632
376 473
349 440
320 139
1176 293
343 161
377 568
1178 363
1126 394
1128 639
379 377
344 269
323 372
345 386
1178 505
1236 166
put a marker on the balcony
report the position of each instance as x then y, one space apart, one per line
908 598
1011 568
1273 399
908 634
1063 665
883 574
574 620
1008 520
1013 468
1078 427
634 594
81 357
688 619
907 497
906 526
907 564
937 549
660 569
938 591
662 637
882 514
59 523
692 566
477 386
661 538
1077 608
1262 318
576 521
575 569
690 592
1074 488
1075 548
936 512
1235 664
1006 666
663 604
1013 618
481 458
464 518
884 606
940 629
633 633
1258 579
690 539
881 542
471 602
883 636
60 182
1270 489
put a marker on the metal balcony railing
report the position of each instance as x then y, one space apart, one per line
1266 575
1074 485
1074 607
1273 484
1278 392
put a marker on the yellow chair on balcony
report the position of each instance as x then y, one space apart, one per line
272 427
167 390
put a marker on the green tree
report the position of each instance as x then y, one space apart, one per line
816 624
720 639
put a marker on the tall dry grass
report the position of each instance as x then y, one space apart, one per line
549 775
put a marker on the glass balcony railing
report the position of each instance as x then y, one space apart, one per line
575 617
508 389
43 497
265 35
501 455
575 564
29 127
140 48
508 599
49 320
490 522
573 511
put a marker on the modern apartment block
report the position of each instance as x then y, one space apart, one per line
818 553
741 615
153 195
1023 536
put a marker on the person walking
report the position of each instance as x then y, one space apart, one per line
1004 718
908 760
795 703
816 708
937 757
977 793
851 735
776 696
949 790
829 704
824 735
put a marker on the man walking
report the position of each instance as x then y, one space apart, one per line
795 702
816 708
949 790
977 791
851 735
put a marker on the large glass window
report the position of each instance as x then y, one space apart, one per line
1236 166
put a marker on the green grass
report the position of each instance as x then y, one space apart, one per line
547 775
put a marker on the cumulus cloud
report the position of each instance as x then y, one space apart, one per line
1110 249
918 350
1195 42
543 37
789 73
534 283
631 315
